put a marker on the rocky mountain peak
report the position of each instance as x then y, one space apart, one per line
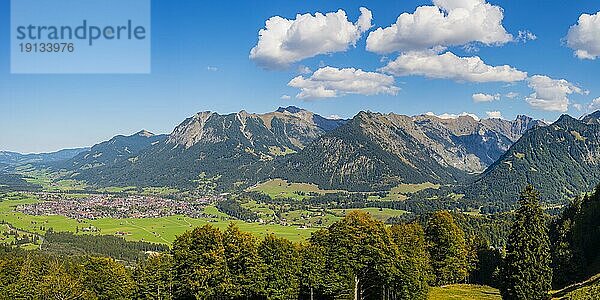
291 109
144 133
191 130
523 118
566 120
593 118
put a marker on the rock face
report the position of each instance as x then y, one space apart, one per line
593 118
560 160
265 135
376 151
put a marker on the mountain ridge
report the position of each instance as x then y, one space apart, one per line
560 159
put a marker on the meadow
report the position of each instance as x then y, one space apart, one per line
279 188
464 291
157 230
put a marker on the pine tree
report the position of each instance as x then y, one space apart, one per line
527 274
567 259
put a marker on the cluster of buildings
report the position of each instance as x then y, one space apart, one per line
110 206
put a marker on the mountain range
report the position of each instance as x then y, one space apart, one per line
480 158
561 160
8 158
375 151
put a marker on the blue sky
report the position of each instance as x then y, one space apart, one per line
200 61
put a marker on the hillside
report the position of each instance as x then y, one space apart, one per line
15 159
116 149
209 149
561 160
377 151
372 151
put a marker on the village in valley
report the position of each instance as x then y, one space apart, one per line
95 206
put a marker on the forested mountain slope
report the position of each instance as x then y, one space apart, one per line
377 151
210 146
561 160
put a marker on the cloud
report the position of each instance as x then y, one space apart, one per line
453 116
283 42
211 68
304 70
447 23
594 105
550 94
285 97
334 117
331 82
450 66
494 115
511 95
480 97
584 37
470 48
525 36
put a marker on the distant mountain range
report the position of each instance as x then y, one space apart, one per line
370 152
210 146
376 151
112 152
561 159
8 158
482 159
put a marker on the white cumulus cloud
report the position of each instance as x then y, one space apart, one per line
283 41
446 23
331 82
512 95
550 94
594 105
453 116
450 66
285 97
481 97
584 37
494 115
525 36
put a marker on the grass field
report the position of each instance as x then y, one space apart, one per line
7 237
279 188
464 291
381 214
49 181
400 192
158 230
586 290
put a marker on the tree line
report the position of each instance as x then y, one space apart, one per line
356 257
